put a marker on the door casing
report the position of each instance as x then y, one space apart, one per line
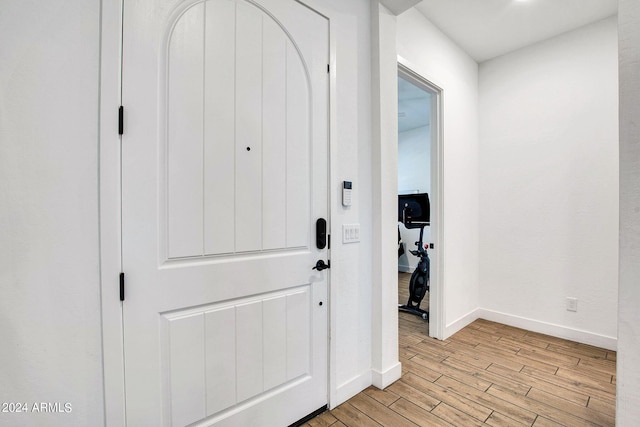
436 291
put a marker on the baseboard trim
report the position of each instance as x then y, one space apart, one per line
350 388
384 379
460 323
559 331
405 268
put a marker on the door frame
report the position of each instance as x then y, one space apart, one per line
110 219
436 291
332 382
110 212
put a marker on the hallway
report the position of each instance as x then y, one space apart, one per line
487 374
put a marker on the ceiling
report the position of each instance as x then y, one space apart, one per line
489 28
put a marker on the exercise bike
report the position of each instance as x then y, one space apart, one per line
414 212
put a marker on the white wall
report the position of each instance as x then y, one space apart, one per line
628 366
436 58
414 159
414 173
49 266
549 185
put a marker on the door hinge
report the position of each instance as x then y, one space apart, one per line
121 286
329 241
328 68
120 120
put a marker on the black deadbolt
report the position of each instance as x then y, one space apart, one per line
321 233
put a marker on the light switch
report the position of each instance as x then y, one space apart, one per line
350 233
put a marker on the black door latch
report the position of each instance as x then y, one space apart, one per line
320 265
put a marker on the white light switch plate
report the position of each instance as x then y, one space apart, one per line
350 233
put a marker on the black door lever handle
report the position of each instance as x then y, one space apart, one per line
320 265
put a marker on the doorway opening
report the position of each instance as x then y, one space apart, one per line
419 172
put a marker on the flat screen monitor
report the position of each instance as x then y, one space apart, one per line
414 208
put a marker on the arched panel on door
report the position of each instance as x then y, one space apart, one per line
238 158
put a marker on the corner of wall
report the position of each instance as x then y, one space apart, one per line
350 388
460 323
384 379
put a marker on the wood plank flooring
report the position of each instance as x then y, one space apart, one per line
487 374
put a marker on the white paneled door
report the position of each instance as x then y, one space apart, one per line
224 174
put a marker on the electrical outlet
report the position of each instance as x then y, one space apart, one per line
572 304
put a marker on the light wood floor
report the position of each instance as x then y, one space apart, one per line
486 374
